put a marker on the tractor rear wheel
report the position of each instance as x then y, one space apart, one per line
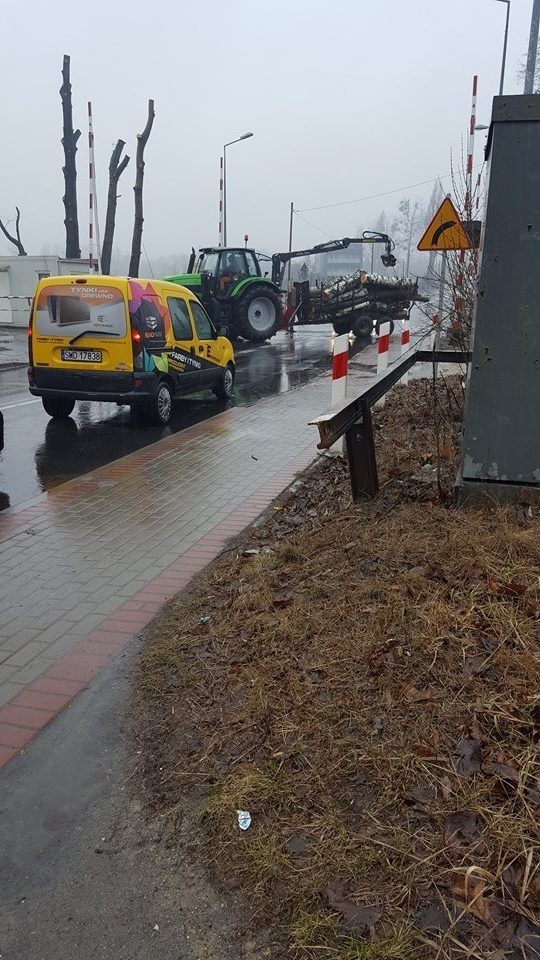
259 312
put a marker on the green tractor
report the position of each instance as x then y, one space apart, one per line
230 284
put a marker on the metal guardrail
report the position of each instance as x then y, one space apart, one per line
352 418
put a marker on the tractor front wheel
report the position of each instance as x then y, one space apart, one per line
259 312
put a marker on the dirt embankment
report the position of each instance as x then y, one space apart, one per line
363 679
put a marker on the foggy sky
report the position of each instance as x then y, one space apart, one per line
346 99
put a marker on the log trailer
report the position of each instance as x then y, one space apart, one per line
239 295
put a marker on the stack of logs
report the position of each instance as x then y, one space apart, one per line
359 302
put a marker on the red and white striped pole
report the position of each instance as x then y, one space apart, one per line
458 299
383 348
470 151
93 225
340 367
220 224
405 343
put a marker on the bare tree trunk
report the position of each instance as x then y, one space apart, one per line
69 143
142 139
116 169
17 239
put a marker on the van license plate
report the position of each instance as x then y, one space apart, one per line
85 356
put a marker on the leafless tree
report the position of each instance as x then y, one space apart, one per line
523 70
405 227
16 240
459 294
69 143
142 139
116 169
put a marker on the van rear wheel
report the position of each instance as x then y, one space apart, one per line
58 407
223 388
159 408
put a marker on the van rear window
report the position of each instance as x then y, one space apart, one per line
67 310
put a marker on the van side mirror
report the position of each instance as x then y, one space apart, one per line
223 331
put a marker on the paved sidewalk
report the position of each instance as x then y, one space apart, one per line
86 566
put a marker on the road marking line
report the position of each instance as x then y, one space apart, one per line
21 403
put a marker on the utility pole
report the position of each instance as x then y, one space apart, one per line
505 47
533 48
290 249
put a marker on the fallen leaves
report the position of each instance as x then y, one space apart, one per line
503 771
414 695
298 844
460 829
507 589
280 600
473 895
422 795
468 757
356 919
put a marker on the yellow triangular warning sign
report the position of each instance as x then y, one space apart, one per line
446 231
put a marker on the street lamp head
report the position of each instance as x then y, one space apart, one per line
245 136
481 126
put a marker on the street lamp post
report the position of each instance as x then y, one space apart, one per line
245 136
530 72
505 46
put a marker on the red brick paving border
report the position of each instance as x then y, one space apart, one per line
32 709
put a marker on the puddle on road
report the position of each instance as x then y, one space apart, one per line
41 453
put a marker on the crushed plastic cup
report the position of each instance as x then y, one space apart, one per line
244 819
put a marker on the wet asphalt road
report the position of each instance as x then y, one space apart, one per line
40 453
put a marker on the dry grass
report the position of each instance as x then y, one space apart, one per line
367 687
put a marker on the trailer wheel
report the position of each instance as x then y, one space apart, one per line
363 327
378 326
341 326
259 312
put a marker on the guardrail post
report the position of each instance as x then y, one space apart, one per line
360 446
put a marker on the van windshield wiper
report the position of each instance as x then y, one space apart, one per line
96 333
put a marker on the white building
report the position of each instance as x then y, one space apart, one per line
18 280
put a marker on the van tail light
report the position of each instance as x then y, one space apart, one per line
137 344
30 350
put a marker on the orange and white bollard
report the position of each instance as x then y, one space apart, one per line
405 343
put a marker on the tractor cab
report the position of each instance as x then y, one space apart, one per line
226 267
229 283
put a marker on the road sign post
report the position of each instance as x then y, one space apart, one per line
445 232
437 339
